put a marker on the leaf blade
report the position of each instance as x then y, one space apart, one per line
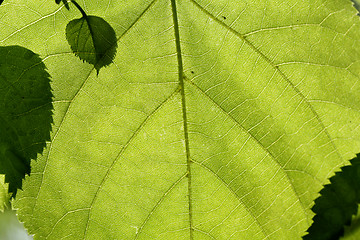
112 109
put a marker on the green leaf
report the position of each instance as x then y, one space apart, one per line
224 125
93 40
25 112
65 2
337 203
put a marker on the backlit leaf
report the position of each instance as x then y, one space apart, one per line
217 119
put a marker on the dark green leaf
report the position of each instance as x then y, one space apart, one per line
337 203
93 40
65 3
25 112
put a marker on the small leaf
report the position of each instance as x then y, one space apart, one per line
65 3
25 112
337 203
93 40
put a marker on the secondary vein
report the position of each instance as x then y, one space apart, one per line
183 103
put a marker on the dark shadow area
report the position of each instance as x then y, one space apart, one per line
337 204
25 112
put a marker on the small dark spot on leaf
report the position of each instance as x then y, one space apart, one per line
224 17
192 72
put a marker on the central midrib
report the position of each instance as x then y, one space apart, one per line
183 103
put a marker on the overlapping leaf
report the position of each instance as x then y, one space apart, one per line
222 126
25 112
337 204
93 40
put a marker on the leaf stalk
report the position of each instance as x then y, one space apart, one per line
79 8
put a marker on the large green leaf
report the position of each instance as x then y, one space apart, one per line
224 125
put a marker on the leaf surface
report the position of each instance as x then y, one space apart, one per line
217 119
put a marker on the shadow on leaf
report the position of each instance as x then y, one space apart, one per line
25 112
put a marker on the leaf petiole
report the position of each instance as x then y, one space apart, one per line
80 8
